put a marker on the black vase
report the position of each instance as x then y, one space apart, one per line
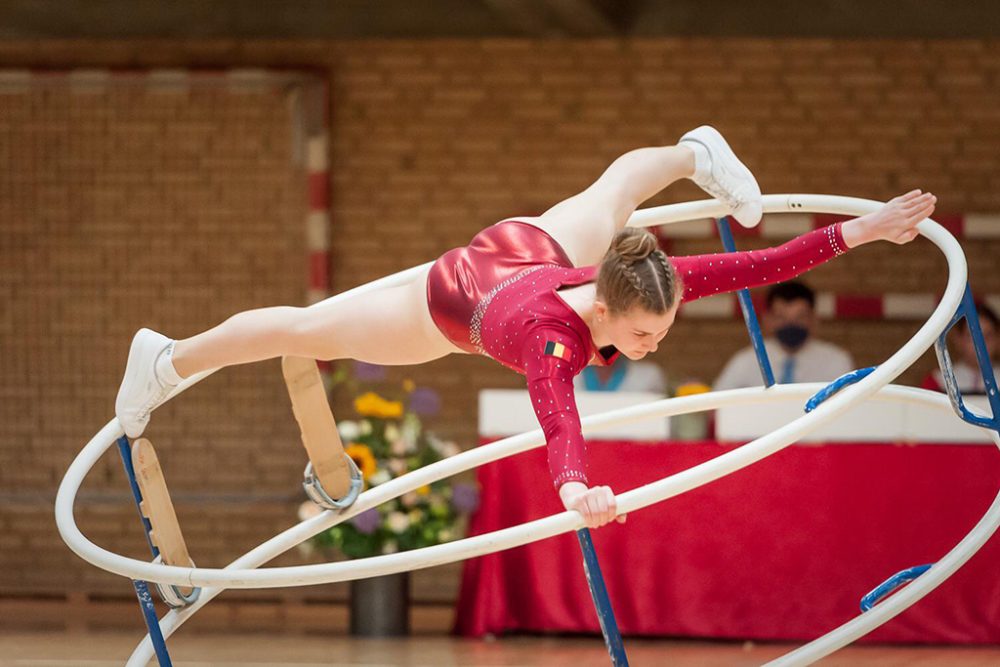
380 606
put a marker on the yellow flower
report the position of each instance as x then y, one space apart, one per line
692 388
423 490
409 385
363 457
373 405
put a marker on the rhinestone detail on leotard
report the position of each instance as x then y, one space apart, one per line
476 324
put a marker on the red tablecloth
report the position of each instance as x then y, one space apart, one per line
784 549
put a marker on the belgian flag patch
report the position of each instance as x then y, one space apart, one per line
558 350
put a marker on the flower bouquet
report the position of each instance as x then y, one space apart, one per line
386 441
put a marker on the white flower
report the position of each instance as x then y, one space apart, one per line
392 433
381 476
366 427
416 515
411 428
409 499
445 535
308 510
390 547
348 430
398 522
399 447
397 466
444 448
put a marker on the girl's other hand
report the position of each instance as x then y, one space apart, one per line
896 221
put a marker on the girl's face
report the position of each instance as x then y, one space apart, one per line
638 332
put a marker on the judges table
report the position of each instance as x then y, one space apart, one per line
782 550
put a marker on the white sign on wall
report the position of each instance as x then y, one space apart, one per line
504 412
871 421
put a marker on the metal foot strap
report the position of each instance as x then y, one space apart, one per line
331 478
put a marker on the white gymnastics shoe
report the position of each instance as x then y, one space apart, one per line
721 174
149 379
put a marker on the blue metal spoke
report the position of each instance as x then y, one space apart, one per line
746 306
602 603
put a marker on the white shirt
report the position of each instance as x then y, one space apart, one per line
969 378
815 361
637 376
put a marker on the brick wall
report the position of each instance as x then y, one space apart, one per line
128 209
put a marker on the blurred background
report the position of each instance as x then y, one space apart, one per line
168 164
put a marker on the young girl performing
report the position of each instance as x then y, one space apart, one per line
529 293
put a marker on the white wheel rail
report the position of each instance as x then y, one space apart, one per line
244 572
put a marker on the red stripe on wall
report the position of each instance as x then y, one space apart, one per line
319 270
853 306
319 191
953 222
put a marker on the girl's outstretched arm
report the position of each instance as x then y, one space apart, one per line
718 273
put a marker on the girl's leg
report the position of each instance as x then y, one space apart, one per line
585 223
391 326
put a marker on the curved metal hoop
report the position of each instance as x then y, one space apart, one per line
242 573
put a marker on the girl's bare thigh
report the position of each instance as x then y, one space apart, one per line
390 326
585 239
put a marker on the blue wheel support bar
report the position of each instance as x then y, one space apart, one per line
891 584
746 306
141 587
838 384
602 603
967 311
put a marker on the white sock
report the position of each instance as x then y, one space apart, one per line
702 161
164 367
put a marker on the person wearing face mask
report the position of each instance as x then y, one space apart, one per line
796 355
964 363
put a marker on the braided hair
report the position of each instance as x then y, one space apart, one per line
635 272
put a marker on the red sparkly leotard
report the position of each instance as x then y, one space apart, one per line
498 297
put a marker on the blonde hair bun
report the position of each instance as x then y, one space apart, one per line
634 245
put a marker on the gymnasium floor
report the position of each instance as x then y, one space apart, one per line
111 649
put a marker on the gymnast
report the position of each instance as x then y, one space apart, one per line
544 296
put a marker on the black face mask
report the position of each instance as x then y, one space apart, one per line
792 336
